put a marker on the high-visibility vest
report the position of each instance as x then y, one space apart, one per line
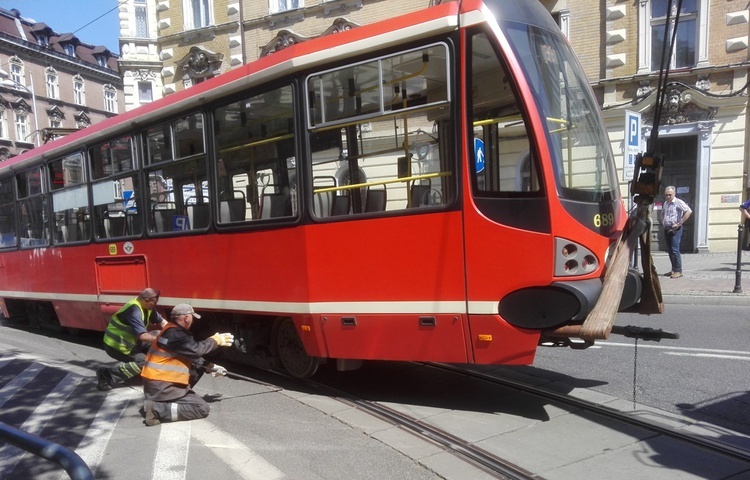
164 365
120 335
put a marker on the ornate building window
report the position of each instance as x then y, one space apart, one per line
110 98
145 92
141 18
79 92
22 125
53 87
199 65
198 13
691 45
277 6
16 70
3 122
82 120
55 116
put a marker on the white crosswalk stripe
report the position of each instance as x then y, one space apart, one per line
98 435
10 455
171 458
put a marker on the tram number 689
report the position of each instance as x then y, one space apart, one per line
605 220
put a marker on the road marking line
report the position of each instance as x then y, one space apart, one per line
682 349
708 355
248 464
97 436
171 456
19 382
10 455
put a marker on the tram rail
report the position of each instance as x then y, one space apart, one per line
607 412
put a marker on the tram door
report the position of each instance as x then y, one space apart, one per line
680 165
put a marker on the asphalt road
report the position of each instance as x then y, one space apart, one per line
702 375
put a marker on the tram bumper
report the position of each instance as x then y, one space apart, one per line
563 302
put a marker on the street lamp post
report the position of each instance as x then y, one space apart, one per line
8 82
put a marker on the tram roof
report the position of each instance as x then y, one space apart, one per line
357 41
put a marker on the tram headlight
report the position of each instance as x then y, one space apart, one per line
572 258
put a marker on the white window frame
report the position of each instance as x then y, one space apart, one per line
52 81
141 98
110 99
4 123
278 6
79 90
644 36
206 10
22 126
140 19
16 71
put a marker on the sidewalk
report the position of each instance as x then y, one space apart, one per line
709 278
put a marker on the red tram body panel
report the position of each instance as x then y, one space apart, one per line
255 197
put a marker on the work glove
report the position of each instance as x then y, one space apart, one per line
223 339
216 370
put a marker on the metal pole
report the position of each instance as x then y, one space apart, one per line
36 111
738 271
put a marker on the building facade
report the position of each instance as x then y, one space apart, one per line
703 126
50 83
169 45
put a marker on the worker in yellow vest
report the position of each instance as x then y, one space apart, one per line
174 365
127 339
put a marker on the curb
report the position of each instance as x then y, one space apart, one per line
707 298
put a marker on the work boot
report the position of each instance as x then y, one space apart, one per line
103 382
151 417
676 274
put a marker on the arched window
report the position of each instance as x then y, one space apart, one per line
79 92
110 99
53 87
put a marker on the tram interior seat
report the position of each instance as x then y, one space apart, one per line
232 210
273 205
114 225
134 223
198 215
376 199
163 219
342 205
323 202
419 195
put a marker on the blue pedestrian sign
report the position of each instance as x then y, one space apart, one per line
479 155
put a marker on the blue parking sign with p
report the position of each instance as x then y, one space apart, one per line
634 129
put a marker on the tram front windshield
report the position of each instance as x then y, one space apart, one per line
579 146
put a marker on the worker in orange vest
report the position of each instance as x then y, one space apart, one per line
174 364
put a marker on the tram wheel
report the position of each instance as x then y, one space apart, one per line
292 353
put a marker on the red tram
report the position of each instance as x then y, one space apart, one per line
437 187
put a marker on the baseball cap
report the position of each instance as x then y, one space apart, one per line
184 309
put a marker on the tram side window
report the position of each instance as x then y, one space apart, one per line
70 203
115 189
178 188
503 158
256 157
379 134
32 204
8 237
